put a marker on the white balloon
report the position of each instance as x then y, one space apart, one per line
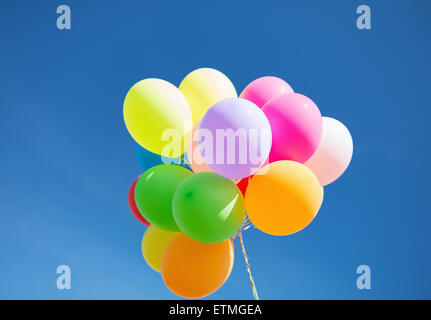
334 152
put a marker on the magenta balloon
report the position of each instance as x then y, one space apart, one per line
296 125
235 138
263 89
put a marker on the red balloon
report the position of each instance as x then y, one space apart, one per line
132 204
243 184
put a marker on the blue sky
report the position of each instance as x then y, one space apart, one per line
67 160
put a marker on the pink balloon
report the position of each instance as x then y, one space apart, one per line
296 125
334 152
194 156
261 90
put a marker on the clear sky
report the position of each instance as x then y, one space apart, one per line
67 159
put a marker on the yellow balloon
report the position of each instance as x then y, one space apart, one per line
158 117
154 244
283 198
203 88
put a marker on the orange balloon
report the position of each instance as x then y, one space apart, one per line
193 269
283 198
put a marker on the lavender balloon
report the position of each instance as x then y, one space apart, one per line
235 138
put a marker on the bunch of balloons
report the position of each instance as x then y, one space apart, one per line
211 158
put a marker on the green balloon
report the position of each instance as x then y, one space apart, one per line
154 192
208 208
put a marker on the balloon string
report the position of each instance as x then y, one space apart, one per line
253 286
245 225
